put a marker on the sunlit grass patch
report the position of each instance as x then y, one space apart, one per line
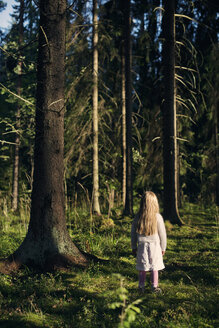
9 242
36 319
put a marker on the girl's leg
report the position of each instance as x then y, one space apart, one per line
154 278
142 277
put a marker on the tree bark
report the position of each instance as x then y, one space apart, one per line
170 171
123 127
217 150
15 184
47 244
128 102
96 206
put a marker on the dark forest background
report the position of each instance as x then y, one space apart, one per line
196 56
65 251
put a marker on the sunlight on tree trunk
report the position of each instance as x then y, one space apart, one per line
169 117
96 206
123 127
15 185
128 100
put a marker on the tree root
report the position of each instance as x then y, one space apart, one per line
8 266
57 262
52 263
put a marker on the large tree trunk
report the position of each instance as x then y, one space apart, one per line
96 206
15 184
47 243
128 100
169 116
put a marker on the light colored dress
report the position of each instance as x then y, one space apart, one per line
149 248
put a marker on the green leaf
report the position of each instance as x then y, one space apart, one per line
131 316
136 309
115 305
122 297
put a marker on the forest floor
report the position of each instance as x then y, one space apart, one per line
106 293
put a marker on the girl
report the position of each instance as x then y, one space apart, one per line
148 239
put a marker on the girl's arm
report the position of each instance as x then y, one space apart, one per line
134 235
162 233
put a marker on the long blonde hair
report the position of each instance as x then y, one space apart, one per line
147 223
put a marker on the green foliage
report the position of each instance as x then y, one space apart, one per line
106 293
128 311
197 85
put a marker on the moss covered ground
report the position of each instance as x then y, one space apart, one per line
106 293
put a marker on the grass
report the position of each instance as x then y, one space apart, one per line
105 294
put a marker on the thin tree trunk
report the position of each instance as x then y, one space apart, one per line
15 185
169 116
47 244
123 128
128 100
96 206
217 151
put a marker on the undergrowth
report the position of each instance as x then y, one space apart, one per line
105 294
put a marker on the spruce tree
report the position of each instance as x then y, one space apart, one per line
47 244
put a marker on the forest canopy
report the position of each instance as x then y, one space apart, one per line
196 77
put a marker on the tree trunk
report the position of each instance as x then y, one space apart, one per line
128 101
123 127
47 244
217 151
169 116
96 206
15 184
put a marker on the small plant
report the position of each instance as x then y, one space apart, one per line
128 311
107 224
